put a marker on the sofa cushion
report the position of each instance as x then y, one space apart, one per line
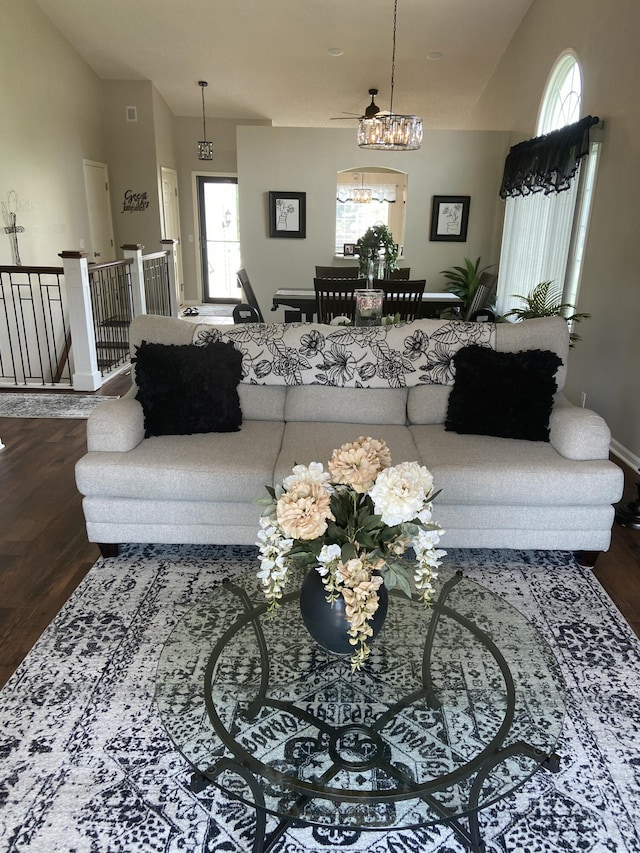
186 389
224 466
427 404
353 405
303 443
262 402
550 333
484 470
502 393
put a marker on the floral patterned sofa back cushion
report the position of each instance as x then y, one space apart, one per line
401 355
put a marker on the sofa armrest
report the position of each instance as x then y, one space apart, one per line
578 433
116 425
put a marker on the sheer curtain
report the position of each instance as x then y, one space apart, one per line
535 243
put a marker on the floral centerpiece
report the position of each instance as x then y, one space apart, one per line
376 241
352 523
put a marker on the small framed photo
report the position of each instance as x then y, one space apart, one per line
450 217
287 214
349 250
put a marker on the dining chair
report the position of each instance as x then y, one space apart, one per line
337 272
245 284
479 305
336 298
245 313
401 273
402 297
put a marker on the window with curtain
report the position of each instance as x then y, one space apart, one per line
366 197
548 188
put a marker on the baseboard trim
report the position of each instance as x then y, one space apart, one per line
624 454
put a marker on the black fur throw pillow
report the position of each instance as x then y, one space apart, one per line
506 394
186 389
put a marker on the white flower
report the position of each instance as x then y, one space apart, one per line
329 553
313 473
400 493
274 547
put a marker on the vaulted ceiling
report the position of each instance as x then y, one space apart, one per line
269 59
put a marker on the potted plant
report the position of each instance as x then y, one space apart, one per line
376 245
545 300
463 281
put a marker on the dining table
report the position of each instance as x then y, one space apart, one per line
304 300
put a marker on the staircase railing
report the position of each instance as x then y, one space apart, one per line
69 326
34 326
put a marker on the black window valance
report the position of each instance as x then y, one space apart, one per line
546 163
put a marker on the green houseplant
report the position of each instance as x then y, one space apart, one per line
463 281
377 244
545 300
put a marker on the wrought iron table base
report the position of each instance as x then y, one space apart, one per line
364 740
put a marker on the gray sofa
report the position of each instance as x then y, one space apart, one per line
307 389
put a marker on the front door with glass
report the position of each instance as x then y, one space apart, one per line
219 237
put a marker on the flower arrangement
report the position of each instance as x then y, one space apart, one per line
376 240
353 523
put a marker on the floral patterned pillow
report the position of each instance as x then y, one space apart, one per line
395 356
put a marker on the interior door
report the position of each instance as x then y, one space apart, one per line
96 182
171 219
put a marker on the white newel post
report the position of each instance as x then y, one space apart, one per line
138 296
169 245
86 376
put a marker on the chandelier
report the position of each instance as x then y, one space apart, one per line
390 131
362 194
205 149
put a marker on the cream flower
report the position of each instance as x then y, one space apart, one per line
313 473
358 463
400 493
303 511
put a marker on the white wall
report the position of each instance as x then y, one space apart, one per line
133 160
604 36
307 160
51 120
187 133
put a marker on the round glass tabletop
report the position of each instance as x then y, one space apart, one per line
458 705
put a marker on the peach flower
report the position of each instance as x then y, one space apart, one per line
358 463
303 512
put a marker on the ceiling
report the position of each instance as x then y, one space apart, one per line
269 59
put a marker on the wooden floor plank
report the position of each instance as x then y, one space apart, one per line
44 552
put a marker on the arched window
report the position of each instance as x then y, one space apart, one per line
539 228
562 96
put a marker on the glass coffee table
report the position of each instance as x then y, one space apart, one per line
458 705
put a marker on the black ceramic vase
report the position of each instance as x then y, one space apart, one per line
327 623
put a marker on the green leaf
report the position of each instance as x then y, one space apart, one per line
395 576
348 552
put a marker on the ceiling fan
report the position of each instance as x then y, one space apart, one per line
372 110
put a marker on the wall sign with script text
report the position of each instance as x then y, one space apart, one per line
134 202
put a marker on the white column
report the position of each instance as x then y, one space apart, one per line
86 376
134 251
169 245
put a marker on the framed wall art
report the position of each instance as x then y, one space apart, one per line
287 214
450 217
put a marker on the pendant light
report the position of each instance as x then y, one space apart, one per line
205 149
389 131
362 194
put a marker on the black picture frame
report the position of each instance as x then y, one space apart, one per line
350 250
450 218
287 214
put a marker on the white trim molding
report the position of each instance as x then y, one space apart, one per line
625 455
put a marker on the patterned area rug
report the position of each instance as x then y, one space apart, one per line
41 405
86 764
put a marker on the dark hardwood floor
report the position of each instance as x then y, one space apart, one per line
44 553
